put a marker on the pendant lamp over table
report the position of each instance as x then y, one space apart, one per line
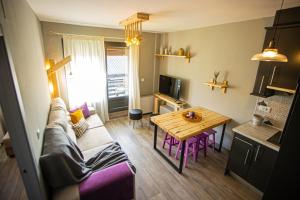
271 54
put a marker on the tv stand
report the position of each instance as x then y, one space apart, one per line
158 97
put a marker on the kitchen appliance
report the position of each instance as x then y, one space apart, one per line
257 120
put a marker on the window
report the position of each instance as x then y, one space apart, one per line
117 76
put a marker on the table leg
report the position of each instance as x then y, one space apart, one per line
178 169
221 140
155 136
182 156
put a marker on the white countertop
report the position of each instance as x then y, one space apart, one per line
259 134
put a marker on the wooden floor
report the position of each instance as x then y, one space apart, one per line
155 179
11 184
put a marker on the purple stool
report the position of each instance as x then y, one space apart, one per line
193 146
211 142
171 141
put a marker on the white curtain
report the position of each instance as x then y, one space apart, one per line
133 76
86 73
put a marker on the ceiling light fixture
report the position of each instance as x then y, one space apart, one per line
271 53
133 28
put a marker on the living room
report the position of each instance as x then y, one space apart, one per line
139 100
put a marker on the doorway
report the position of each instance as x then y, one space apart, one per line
117 77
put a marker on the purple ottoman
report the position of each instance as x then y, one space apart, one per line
113 183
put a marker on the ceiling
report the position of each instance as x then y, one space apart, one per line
165 15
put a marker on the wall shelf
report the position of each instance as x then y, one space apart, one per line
223 86
188 58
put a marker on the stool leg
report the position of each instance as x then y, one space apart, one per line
186 153
205 145
141 122
195 151
214 141
166 137
177 151
170 145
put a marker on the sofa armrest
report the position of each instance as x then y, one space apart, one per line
115 182
92 110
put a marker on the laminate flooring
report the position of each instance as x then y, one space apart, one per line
11 184
156 179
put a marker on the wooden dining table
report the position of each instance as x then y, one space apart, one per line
182 129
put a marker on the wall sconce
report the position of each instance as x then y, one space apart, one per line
48 65
51 88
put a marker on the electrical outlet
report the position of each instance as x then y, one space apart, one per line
265 109
38 133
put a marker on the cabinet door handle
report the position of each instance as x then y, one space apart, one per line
258 148
243 141
246 158
274 70
261 84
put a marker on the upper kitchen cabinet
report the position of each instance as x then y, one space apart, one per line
264 72
284 76
278 76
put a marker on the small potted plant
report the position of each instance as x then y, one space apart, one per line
216 74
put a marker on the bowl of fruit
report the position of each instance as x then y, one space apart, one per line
192 116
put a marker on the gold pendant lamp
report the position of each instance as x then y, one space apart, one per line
133 28
271 54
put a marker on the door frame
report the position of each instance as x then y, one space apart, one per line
13 111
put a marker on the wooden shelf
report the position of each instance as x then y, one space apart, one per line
188 58
162 97
223 85
281 89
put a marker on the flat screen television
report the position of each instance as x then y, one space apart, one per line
169 86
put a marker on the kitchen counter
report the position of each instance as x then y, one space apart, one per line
259 134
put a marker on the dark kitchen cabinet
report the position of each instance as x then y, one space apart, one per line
264 72
285 75
239 156
261 166
251 161
272 76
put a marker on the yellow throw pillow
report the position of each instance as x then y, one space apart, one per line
76 116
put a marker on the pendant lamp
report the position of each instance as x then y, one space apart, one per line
271 53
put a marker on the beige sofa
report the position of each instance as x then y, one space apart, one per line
94 140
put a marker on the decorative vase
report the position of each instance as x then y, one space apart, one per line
180 52
161 50
166 51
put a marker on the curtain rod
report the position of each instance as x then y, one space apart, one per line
70 34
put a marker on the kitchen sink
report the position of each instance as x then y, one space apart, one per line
276 138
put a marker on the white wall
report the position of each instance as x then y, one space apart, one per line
226 48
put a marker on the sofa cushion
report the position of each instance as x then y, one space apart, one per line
70 132
85 110
87 154
76 116
56 115
80 127
58 104
94 137
94 121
